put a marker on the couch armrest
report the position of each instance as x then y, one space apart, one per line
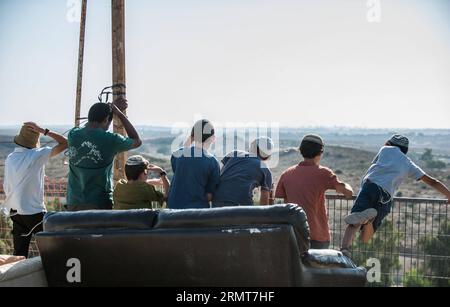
26 273
330 268
327 259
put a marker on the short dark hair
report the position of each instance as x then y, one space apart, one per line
99 112
202 131
310 150
134 171
402 148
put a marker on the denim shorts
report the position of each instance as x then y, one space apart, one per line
373 196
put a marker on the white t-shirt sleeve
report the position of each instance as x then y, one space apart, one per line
415 171
42 155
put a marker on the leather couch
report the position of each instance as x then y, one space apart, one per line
222 247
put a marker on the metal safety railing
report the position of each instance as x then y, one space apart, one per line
412 247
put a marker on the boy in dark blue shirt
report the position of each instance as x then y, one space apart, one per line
196 170
242 173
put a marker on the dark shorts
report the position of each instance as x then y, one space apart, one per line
373 196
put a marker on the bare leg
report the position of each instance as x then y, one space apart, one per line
349 236
367 233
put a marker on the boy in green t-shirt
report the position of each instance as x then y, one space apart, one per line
91 155
139 192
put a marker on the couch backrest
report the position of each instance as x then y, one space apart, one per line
238 216
218 217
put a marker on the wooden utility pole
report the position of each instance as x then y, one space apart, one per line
80 63
118 71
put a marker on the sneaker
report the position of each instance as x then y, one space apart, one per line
361 218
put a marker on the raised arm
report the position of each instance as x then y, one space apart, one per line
61 140
117 106
165 181
437 185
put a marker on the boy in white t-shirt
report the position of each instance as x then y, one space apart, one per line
24 183
374 202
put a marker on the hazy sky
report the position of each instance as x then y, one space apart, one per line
299 63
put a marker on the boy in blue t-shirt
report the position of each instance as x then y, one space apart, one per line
374 202
242 173
196 170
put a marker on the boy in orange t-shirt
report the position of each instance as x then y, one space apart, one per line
305 185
